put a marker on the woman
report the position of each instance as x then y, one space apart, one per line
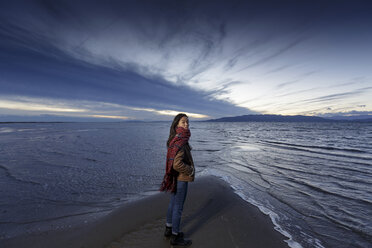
179 171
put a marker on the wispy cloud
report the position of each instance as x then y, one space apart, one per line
110 117
170 112
273 55
338 96
32 106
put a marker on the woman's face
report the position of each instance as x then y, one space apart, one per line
184 122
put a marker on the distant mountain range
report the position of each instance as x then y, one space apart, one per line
285 118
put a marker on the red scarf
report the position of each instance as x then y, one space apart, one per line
170 178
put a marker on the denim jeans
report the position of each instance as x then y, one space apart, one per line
175 207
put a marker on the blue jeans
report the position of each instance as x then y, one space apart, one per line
175 207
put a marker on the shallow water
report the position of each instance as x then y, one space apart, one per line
313 179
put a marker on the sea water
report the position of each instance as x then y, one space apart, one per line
314 180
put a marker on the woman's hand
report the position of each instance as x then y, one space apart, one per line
192 171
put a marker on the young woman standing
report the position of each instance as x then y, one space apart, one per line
179 172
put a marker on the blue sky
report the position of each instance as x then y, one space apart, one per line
148 60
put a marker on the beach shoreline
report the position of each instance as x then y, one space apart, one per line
214 216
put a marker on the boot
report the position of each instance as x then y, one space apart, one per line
178 240
168 232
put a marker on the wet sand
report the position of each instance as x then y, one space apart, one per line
214 216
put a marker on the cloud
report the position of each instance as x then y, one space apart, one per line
300 78
275 54
338 96
199 57
110 117
61 76
68 63
178 48
171 112
278 69
282 85
32 106
80 109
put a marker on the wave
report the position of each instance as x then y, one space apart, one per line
350 226
7 130
9 175
91 160
317 147
328 192
207 150
55 165
365 170
294 148
11 130
362 171
244 167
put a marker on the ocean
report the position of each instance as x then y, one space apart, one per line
314 180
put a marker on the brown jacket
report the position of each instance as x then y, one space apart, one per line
184 164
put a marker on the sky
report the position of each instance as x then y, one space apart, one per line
149 60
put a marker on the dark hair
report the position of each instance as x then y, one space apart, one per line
172 131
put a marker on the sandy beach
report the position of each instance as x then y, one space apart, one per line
214 216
